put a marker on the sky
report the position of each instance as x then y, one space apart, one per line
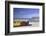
25 12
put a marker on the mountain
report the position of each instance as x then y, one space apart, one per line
33 19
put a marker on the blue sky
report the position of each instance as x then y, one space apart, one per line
25 12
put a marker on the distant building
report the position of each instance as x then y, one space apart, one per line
34 19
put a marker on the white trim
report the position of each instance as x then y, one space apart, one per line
24 28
